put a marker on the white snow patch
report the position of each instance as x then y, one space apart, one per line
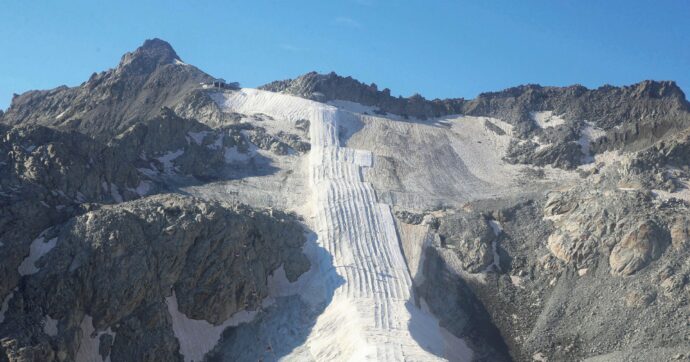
179 62
30 148
115 193
589 134
539 357
90 342
198 137
496 227
5 306
546 119
50 326
38 248
582 272
371 314
168 158
143 188
197 337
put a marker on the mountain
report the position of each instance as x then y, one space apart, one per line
151 77
150 215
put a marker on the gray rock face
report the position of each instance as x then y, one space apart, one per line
118 263
326 87
147 79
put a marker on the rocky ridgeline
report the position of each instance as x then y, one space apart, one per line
116 265
632 117
151 77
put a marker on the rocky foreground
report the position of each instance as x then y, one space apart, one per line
145 216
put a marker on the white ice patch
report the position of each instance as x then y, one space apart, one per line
90 342
546 119
50 326
589 134
168 158
38 248
5 306
197 337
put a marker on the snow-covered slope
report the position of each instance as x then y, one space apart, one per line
372 315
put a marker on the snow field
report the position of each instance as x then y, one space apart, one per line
371 315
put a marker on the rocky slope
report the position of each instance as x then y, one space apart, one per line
145 215
631 117
151 77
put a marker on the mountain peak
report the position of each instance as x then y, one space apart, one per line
153 52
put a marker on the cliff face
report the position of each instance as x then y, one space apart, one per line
114 266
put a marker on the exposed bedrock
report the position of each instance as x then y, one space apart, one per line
580 274
116 265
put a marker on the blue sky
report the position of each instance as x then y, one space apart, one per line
437 48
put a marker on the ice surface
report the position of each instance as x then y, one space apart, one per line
90 342
547 119
197 337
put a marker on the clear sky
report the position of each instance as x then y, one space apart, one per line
437 48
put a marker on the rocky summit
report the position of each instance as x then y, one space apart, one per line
157 213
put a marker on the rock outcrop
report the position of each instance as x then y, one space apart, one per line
151 77
114 267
